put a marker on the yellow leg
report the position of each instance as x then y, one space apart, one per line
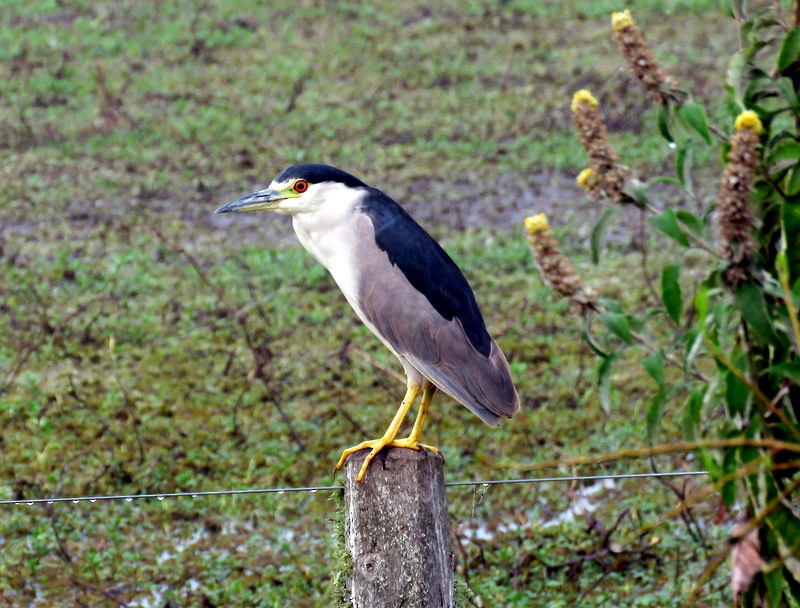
428 390
388 439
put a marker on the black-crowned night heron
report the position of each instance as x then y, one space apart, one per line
402 285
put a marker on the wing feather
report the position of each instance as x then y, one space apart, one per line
457 359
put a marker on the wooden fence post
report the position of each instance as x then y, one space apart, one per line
397 531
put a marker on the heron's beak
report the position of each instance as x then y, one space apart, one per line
263 199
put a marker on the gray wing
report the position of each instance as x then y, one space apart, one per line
438 348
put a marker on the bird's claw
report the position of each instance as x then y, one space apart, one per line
375 446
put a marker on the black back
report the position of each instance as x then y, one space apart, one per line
426 265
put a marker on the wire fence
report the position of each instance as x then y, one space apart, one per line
312 489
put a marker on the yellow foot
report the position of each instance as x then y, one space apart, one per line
414 445
375 446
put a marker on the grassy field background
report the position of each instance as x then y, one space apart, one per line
147 346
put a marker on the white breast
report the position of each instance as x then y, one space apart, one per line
327 234
330 237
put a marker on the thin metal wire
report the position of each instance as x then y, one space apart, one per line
495 482
313 489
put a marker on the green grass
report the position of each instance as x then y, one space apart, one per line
170 408
146 103
121 371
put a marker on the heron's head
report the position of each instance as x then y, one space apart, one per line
300 189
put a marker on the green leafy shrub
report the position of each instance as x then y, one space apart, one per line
722 339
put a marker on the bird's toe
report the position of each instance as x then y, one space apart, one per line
413 444
356 448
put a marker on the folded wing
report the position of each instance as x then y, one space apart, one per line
425 309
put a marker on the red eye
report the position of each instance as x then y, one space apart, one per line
300 186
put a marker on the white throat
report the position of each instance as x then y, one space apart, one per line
323 228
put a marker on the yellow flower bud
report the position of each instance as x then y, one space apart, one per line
580 96
536 223
749 120
584 178
621 20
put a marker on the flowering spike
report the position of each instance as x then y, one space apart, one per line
605 178
554 267
733 205
641 62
